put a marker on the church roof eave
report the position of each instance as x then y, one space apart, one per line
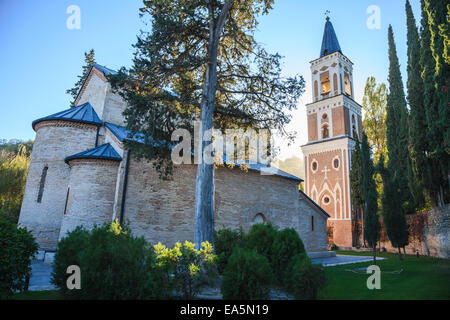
83 113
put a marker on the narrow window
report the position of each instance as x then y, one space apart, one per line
312 223
67 198
347 85
41 184
325 132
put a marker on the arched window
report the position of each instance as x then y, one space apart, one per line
42 184
325 116
325 132
325 83
259 218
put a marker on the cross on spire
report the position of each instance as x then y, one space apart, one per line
327 14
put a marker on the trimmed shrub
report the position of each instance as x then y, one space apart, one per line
286 245
184 265
17 248
247 276
224 241
305 279
113 263
67 254
260 238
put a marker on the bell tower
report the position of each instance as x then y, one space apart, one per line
334 123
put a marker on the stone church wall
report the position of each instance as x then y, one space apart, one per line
91 195
54 141
162 210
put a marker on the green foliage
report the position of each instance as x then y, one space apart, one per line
356 176
286 245
67 254
397 135
184 48
13 175
17 247
224 242
260 238
183 266
304 279
113 263
371 223
89 60
247 276
374 123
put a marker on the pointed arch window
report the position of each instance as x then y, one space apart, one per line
354 132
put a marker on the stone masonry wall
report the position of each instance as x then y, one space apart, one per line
163 210
91 195
428 234
54 141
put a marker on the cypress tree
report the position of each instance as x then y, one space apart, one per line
89 60
397 128
356 178
369 188
435 99
436 12
417 143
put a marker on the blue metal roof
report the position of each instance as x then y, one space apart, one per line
84 113
106 71
264 169
103 152
330 42
123 134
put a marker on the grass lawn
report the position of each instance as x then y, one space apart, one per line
421 278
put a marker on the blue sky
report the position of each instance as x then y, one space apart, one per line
41 58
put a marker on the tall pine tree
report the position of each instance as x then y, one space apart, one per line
89 60
200 60
396 197
435 74
356 185
397 128
417 143
371 222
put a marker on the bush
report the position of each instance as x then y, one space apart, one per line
286 245
17 248
260 238
67 254
247 276
113 264
305 279
225 240
184 265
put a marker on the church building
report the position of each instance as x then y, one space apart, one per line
81 174
334 123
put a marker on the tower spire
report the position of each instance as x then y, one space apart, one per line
330 42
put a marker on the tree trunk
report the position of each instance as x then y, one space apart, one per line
375 253
204 184
399 254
